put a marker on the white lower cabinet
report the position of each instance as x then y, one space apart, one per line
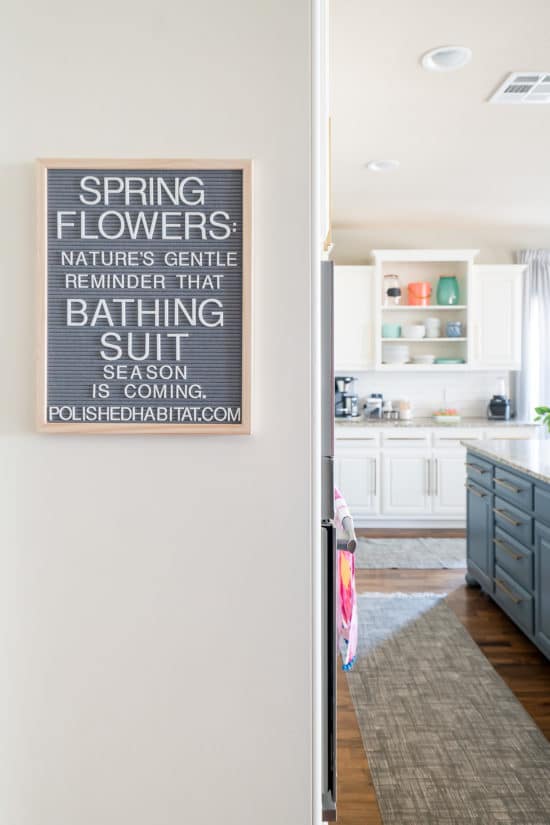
357 477
447 482
414 477
405 482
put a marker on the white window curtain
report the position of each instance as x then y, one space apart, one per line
533 381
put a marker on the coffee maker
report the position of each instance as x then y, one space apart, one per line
346 402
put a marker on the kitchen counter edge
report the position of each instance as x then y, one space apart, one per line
530 456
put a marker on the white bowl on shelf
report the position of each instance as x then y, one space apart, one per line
426 358
415 331
395 354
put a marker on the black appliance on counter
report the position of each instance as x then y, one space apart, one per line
346 402
499 408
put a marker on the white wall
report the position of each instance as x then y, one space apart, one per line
428 392
496 243
155 608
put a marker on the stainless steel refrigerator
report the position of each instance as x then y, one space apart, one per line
328 544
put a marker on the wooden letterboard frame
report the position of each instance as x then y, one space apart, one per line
144 296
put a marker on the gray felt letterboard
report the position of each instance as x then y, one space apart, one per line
146 277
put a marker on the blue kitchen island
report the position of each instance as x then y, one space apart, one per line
508 530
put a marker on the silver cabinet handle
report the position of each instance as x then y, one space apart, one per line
405 438
428 477
503 514
508 486
501 586
508 550
477 468
476 492
436 477
374 482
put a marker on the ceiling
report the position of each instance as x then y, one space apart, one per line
462 160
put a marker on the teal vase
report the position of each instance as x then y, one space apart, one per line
447 290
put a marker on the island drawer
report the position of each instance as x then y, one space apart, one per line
513 521
515 559
542 504
516 601
513 488
479 471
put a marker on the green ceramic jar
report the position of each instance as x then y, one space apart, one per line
447 290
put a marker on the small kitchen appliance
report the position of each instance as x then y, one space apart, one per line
346 402
374 405
499 408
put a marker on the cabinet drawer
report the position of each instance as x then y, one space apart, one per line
513 488
454 438
514 558
542 504
516 601
479 471
356 445
513 521
406 438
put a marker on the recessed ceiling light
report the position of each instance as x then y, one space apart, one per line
383 165
446 58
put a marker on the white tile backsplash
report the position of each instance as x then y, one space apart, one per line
468 392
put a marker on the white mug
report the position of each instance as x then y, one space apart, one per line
433 328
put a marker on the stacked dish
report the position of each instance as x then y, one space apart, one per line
426 358
395 354
416 331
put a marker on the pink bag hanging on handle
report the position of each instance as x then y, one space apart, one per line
347 597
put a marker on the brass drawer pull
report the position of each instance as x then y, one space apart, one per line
508 486
475 492
508 550
477 468
503 514
502 586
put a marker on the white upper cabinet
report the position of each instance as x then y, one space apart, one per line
496 316
353 318
417 271
481 331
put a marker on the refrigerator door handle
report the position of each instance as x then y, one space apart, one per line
329 665
327 358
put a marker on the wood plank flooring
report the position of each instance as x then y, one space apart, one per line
517 661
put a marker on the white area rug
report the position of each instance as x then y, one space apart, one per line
422 554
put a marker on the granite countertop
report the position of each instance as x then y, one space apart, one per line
531 456
429 422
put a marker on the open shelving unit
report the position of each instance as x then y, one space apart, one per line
424 265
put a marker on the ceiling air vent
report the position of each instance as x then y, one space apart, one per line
524 87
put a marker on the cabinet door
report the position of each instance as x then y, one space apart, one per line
353 318
542 587
496 313
357 479
448 479
406 482
480 535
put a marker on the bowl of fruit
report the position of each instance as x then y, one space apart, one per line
447 416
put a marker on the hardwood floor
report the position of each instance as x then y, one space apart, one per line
410 532
517 661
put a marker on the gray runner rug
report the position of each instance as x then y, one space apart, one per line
384 554
447 741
